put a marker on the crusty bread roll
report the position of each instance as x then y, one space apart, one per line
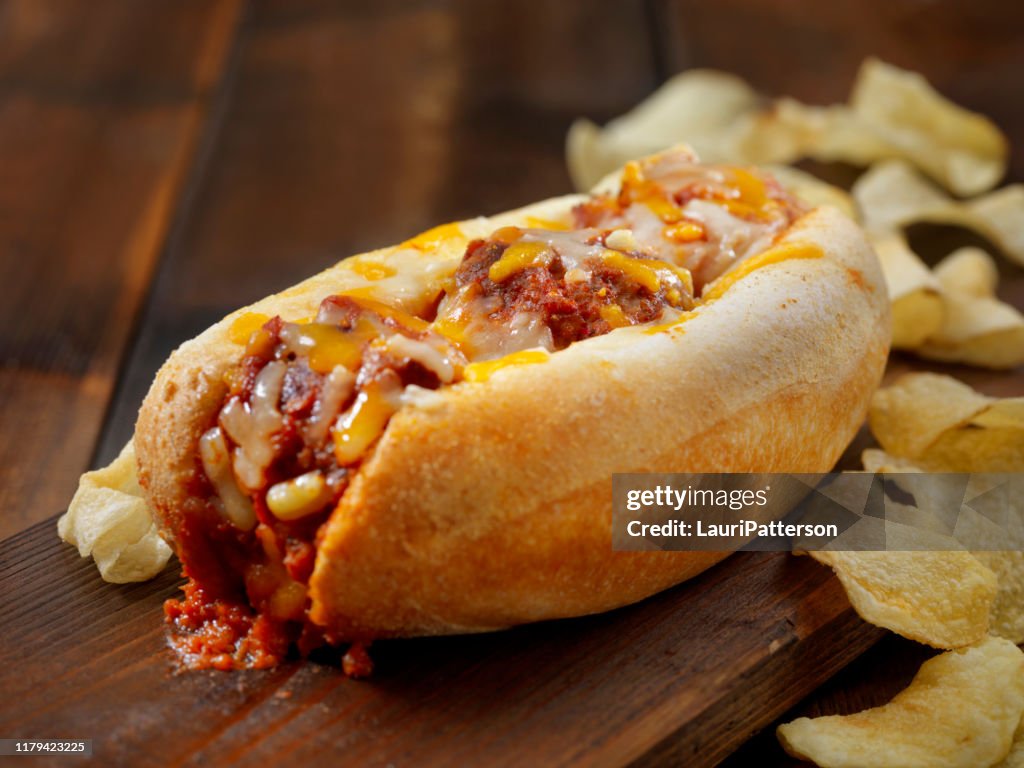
487 503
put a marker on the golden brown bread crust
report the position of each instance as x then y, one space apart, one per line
488 504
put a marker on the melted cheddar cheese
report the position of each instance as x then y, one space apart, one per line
477 372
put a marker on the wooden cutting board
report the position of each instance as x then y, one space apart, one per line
681 679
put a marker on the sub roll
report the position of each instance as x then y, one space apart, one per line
421 440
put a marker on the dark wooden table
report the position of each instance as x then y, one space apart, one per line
163 163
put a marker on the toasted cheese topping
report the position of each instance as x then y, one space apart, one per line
327 346
628 259
432 238
477 372
520 256
538 223
216 459
373 270
310 399
786 252
245 325
362 424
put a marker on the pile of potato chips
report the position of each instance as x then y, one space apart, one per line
909 136
949 313
965 706
891 114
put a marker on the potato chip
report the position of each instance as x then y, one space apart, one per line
913 290
963 150
942 425
936 506
919 533
976 330
699 107
876 460
1016 757
1007 619
975 327
109 519
968 270
892 114
990 441
940 598
909 416
892 195
960 711
789 131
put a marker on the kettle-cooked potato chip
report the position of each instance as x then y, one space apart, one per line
941 598
942 425
913 290
108 519
892 195
935 423
976 328
700 107
962 150
1008 609
790 130
892 114
990 441
877 460
968 270
960 711
1015 759
909 416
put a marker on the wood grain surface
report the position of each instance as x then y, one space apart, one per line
674 680
98 120
164 163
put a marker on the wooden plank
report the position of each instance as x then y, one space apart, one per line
677 679
352 126
100 107
870 681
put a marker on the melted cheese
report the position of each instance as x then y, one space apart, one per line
477 372
669 321
362 424
432 238
651 235
337 388
639 271
230 501
372 270
252 425
614 316
538 223
385 310
436 359
327 346
686 232
244 326
786 252
517 257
